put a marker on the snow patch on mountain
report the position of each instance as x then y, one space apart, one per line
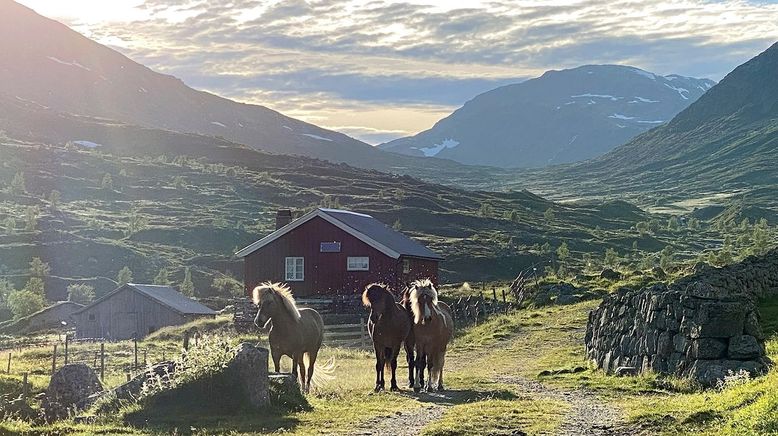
70 64
321 138
87 144
620 117
679 90
437 148
644 73
645 100
610 97
216 123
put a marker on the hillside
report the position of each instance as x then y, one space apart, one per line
721 146
561 117
47 63
200 198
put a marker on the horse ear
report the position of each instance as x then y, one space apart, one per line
255 295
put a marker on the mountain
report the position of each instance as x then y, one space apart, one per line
48 63
150 199
725 143
560 117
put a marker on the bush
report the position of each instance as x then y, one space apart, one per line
25 302
81 294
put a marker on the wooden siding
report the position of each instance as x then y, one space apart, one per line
326 273
124 315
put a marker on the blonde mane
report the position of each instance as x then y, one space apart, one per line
278 291
365 297
421 288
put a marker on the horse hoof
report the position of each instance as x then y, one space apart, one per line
395 388
417 390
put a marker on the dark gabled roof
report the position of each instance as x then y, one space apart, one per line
363 227
164 295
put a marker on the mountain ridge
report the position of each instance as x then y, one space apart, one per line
560 117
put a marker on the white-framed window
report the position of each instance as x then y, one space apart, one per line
406 266
358 263
295 269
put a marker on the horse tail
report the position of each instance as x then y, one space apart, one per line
322 374
388 358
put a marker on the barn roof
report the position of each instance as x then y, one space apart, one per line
164 295
363 227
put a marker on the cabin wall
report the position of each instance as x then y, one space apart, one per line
325 273
421 269
124 315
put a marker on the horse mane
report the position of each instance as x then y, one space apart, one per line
281 291
418 289
375 287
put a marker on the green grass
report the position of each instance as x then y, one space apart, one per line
500 417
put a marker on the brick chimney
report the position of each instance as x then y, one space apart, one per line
283 217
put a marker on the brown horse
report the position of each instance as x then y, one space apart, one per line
297 333
389 326
433 328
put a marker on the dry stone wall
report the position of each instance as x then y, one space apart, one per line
690 328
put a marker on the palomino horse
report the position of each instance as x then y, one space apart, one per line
433 328
296 333
389 326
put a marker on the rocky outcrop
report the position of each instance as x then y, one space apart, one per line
69 389
690 328
755 275
564 293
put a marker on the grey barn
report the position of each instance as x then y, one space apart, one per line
134 311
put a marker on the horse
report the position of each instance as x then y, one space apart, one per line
297 333
389 326
433 328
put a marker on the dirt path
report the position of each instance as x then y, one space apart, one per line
587 416
407 423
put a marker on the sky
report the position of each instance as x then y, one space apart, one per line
383 69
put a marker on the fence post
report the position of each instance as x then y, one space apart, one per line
102 361
362 332
186 340
135 352
8 370
54 360
494 294
25 388
67 342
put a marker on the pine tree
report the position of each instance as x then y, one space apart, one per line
187 286
124 276
162 277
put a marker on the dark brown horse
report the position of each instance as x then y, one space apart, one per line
433 328
389 326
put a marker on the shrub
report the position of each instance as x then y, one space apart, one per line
25 302
81 293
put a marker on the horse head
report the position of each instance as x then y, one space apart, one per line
264 297
424 301
378 299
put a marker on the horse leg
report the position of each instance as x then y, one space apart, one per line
379 369
276 360
294 366
411 363
311 362
395 352
442 361
430 373
301 362
420 364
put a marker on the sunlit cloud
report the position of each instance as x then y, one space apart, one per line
381 69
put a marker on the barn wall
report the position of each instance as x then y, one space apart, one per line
325 273
123 315
422 269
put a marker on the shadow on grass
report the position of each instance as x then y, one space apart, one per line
178 420
451 397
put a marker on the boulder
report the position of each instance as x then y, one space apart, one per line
610 274
249 367
744 347
69 389
707 348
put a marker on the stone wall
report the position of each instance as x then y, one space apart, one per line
690 328
756 275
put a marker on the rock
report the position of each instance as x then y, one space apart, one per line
250 368
69 389
658 273
566 299
626 370
610 274
752 327
707 348
719 320
744 347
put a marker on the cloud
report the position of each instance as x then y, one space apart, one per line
423 55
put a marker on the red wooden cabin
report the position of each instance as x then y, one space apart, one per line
330 251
